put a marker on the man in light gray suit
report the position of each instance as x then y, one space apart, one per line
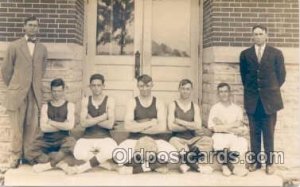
22 71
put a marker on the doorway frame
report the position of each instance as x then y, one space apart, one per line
198 66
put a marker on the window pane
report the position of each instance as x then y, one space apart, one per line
115 27
171 28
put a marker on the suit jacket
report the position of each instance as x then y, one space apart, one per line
20 70
262 80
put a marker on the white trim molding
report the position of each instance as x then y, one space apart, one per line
231 54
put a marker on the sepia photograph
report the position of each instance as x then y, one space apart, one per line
149 93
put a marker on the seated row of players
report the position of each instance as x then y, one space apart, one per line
145 120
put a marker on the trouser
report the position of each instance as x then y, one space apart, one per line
101 148
230 141
24 126
236 146
51 147
129 146
262 124
202 143
198 145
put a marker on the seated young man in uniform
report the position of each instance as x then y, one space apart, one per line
50 149
97 117
183 120
225 120
146 160
145 116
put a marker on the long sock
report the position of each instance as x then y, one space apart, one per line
194 155
93 162
183 166
66 168
225 170
84 167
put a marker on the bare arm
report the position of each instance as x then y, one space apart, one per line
45 126
69 123
172 125
160 125
194 125
130 124
86 120
187 124
108 123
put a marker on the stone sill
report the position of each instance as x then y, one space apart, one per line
24 176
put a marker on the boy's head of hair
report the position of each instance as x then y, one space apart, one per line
144 78
57 82
262 27
97 76
223 84
185 82
30 18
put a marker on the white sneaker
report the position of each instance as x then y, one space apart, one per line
204 169
107 165
226 171
162 170
184 168
240 171
71 170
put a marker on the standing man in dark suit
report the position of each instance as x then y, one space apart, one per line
263 73
22 71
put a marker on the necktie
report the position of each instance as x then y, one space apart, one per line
31 40
259 54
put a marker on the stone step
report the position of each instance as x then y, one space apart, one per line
25 176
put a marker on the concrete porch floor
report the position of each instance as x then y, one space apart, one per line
25 176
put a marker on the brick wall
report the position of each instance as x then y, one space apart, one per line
229 21
227 31
61 30
61 21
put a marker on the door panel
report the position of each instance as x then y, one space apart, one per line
170 28
171 44
116 72
169 73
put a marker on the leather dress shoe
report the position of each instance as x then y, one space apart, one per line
254 167
14 163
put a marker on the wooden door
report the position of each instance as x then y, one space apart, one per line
163 32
